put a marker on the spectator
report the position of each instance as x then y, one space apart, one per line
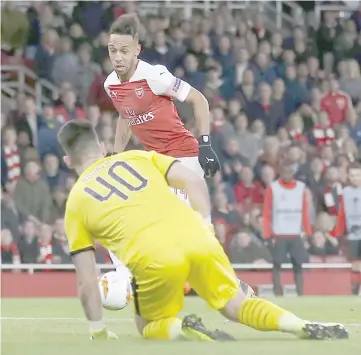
296 92
10 216
34 34
249 144
258 27
247 193
336 103
264 70
59 196
323 133
10 158
315 180
44 57
18 111
46 246
288 59
270 155
69 110
53 175
28 244
31 122
327 33
77 36
32 195
241 65
94 117
234 109
9 250
159 53
192 75
84 11
350 81
223 212
65 63
14 27
47 134
224 55
344 42
333 191
323 244
100 53
60 244
277 45
269 111
97 95
313 67
200 48
217 87
245 251
218 185
86 72
221 232
246 92
354 126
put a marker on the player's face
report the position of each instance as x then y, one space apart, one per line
123 52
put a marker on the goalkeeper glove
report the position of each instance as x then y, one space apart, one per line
207 157
103 334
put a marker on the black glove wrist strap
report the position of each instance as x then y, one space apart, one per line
204 140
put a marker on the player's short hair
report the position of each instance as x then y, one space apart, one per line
78 137
126 25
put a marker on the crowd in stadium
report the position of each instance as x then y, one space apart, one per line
271 95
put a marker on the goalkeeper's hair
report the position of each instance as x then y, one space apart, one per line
126 25
78 138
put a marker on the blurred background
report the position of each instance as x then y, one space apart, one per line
269 71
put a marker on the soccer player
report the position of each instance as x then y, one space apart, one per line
349 222
124 202
143 96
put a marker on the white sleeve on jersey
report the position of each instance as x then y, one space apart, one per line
112 79
162 82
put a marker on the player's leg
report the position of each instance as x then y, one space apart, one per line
354 253
299 256
158 280
213 278
278 249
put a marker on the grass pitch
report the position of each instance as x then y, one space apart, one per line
57 327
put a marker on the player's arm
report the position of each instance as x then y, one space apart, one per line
81 246
122 135
180 177
164 83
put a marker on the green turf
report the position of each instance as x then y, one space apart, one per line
53 335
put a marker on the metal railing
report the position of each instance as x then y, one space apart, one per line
344 10
17 78
261 267
274 9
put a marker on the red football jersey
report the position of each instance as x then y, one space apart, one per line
146 102
336 105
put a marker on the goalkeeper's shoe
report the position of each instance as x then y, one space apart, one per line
103 334
194 329
324 331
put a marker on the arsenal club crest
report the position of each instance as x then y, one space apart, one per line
139 92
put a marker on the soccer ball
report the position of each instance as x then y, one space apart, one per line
115 290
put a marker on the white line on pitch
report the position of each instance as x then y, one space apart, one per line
115 320
63 319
